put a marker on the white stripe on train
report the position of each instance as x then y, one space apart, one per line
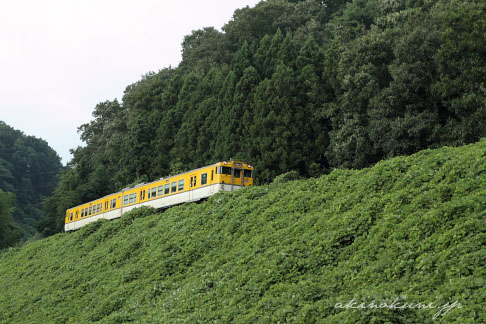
163 202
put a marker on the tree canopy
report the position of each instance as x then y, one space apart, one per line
293 85
29 171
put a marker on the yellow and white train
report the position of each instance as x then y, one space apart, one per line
185 187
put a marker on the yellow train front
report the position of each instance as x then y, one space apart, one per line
185 187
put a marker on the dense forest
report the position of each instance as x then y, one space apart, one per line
29 172
293 85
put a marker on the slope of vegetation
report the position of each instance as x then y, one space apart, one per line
29 172
293 85
409 228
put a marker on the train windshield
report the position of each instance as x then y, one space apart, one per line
225 170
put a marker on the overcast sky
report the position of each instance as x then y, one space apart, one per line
59 58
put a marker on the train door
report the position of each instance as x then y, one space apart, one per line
236 177
214 180
192 186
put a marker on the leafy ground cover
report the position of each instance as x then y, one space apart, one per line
408 230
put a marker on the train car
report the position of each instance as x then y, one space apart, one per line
185 187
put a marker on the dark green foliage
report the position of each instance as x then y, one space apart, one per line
286 177
252 24
405 115
29 170
410 228
9 233
461 61
203 49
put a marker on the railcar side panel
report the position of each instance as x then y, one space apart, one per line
186 187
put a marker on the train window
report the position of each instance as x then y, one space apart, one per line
212 175
166 189
204 179
154 192
82 212
113 203
225 170
194 183
181 185
248 173
89 210
132 198
125 200
86 212
159 189
100 205
71 216
174 187
142 195
77 214
237 173
106 204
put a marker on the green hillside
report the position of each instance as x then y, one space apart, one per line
409 228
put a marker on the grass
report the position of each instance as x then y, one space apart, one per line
410 229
